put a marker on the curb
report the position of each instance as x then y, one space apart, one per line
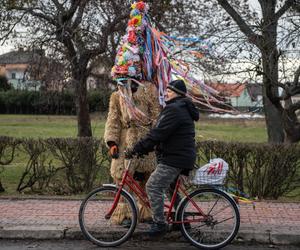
292 237
32 232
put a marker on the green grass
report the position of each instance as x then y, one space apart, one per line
231 130
44 126
11 176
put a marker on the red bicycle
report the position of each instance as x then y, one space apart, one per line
208 217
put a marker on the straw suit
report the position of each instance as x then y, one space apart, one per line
121 129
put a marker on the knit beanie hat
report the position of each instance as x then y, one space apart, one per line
178 86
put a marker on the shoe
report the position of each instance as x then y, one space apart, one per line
176 227
126 223
158 229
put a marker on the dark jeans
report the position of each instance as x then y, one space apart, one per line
157 185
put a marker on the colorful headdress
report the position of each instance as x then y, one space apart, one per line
148 54
128 61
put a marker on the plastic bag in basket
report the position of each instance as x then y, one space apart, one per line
212 173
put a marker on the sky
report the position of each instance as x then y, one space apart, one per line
9 45
6 48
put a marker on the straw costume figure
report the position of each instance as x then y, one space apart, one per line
147 60
133 110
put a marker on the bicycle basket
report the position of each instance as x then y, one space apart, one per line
213 173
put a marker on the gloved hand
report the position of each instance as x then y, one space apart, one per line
113 150
129 153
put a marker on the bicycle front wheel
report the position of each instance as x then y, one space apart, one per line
217 224
99 226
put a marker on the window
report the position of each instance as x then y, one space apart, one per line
13 75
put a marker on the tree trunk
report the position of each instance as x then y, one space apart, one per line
290 123
282 123
273 120
292 131
268 48
272 105
82 105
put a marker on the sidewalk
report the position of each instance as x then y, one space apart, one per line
270 222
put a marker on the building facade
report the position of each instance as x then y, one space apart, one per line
23 69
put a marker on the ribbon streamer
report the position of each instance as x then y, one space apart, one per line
146 53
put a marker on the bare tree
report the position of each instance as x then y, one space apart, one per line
79 33
73 29
265 34
83 34
249 43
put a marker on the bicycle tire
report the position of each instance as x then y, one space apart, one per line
93 223
210 234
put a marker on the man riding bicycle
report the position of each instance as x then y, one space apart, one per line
173 139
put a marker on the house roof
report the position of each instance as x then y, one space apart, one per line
21 57
229 89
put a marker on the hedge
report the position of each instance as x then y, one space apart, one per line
261 170
50 102
72 166
57 165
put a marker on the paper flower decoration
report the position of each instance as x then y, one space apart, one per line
128 60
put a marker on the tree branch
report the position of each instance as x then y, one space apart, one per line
69 14
42 16
57 4
110 28
12 27
283 9
293 88
35 14
78 18
296 77
294 107
252 36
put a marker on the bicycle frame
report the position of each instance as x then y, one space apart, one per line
133 185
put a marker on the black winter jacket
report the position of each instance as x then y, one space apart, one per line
173 136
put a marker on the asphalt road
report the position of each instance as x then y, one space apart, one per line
82 244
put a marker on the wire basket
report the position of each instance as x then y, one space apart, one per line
203 178
212 173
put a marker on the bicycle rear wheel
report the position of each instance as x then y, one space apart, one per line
220 222
101 229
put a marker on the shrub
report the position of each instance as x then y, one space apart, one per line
39 170
80 159
58 165
71 166
8 147
262 170
4 85
50 102
98 101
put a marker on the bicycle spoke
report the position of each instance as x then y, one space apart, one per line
219 224
213 206
221 210
95 223
224 220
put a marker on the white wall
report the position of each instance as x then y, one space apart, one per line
19 74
